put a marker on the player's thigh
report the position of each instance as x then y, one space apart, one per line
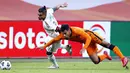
99 39
56 46
105 44
94 58
49 48
53 47
92 48
96 37
47 39
92 52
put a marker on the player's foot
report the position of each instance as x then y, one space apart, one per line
124 61
53 67
108 56
69 49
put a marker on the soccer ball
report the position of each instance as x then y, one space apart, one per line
5 65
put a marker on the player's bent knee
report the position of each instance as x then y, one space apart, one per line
105 44
96 62
111 47
94 58
108 45
49 53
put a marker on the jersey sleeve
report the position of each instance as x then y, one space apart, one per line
86 36
58 38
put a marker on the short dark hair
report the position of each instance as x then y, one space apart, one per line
42 9
64 27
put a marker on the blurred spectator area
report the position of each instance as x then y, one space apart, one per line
20 10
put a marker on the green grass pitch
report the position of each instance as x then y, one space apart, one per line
67 67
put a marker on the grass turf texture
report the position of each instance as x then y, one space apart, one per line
67 67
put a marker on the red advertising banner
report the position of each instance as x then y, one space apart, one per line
20 39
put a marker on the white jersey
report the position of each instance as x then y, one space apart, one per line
50 23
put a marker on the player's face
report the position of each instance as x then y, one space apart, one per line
42 15
67 33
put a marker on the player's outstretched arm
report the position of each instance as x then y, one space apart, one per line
58 38
60 6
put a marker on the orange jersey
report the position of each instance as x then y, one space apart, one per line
78 35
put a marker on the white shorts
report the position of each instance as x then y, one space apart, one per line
53 47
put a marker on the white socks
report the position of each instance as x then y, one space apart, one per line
52 59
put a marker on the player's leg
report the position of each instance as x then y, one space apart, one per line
98 39
49 52
117 51
51 57
92 52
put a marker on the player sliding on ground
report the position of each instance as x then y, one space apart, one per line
90 40
50 25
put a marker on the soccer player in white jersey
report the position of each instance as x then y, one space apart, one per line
50 25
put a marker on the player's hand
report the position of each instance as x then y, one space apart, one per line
82 51
64 5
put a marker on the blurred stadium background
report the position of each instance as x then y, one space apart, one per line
21 15
77 10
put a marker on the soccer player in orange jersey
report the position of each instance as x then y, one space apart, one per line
90 39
